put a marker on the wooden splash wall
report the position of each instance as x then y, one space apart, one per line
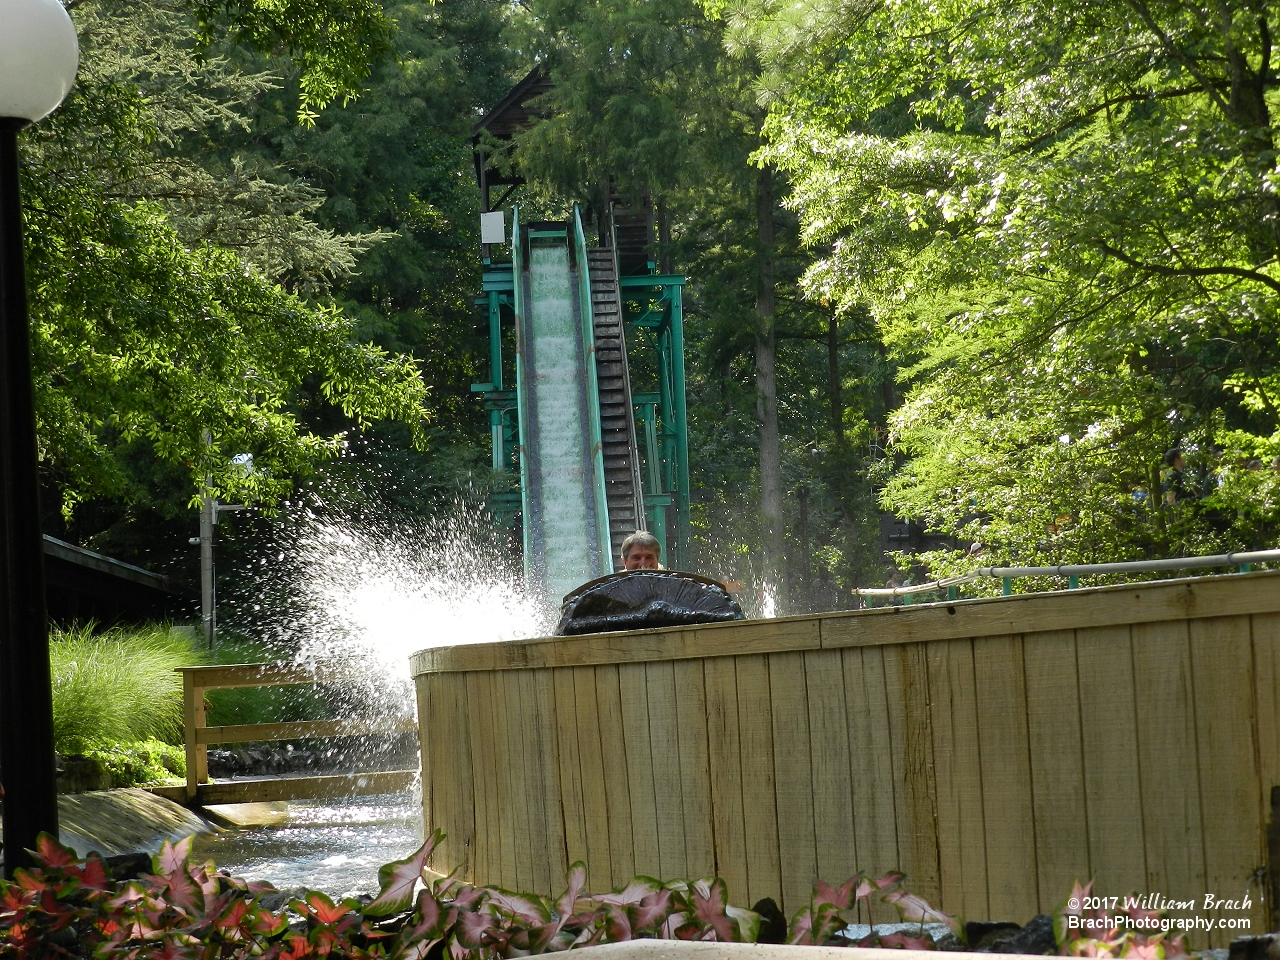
994 750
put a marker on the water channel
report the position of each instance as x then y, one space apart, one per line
335 846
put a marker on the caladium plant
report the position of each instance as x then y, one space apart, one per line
1115 933
68 907
830 911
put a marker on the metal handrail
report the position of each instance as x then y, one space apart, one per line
1073 570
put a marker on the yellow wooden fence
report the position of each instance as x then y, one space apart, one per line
200 791
994 750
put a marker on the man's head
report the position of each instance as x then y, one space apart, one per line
641 551
1173 458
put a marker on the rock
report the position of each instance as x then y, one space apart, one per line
1265 946
773 925
80 774
127 866
275 902
1035 939
122 822
980 934
949 941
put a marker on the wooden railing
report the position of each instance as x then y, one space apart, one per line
198 736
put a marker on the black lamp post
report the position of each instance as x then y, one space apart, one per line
38 59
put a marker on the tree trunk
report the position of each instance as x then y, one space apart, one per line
833 379
767 391
664 238
887 392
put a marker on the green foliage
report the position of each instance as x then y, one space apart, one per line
632 83
147 761
1065 226
181 903
165 280
400 170
118 686
334 41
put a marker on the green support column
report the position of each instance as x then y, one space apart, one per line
495 339
1008 586
503 503
495 378
654 306
655 496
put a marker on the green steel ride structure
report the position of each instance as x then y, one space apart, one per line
586 401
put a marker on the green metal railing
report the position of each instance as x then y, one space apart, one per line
653 315
1243 561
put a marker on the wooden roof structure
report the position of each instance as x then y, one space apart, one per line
81 585
515 112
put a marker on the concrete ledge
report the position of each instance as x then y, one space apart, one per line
685 950
116 822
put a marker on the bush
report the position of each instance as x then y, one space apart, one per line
132 764
118 686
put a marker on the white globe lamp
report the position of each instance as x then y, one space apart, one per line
38 59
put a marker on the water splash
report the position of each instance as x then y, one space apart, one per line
335 846
372 589
768 601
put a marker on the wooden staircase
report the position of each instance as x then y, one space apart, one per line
617 419
633 235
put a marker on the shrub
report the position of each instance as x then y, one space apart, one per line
69 907
131 764
118 686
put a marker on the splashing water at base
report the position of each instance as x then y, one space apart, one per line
374 590
768 603
370 590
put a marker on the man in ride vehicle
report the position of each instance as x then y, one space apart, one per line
641 551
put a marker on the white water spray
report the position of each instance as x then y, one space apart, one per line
373 591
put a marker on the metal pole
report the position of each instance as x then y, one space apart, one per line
26 691
208 517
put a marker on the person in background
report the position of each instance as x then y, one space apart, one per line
1171 479
641 551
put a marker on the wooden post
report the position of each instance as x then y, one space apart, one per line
192 721
1273 860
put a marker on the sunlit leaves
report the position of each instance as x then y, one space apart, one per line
1064 220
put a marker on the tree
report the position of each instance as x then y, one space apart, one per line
166 296
334 42
1064 222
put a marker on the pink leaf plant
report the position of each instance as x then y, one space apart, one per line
68 906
